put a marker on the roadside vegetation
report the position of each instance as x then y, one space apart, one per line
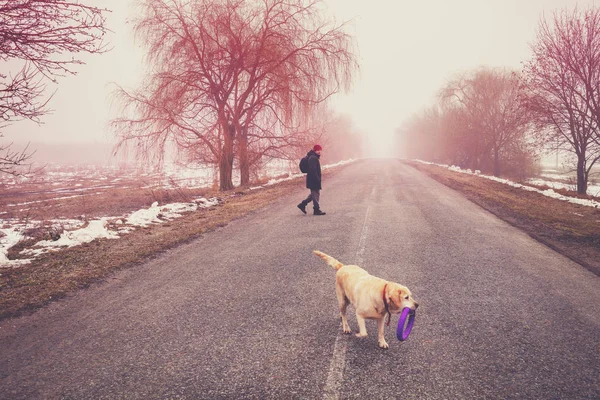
500 121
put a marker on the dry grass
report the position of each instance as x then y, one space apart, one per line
54 275
91 204
571 229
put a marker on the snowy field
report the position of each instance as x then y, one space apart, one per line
79 181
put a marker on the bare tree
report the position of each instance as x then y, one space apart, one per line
333 131
563 85
230 71
477 123
299 60
38 39
493 119
14 162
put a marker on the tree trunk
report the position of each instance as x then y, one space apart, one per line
244 162
581 174
496 163
226 159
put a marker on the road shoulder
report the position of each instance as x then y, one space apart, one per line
570 229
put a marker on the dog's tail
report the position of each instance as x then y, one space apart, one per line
329 260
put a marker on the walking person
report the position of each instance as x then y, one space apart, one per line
313 181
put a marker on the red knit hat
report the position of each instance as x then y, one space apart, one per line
317 147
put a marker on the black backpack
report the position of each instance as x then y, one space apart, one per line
304 164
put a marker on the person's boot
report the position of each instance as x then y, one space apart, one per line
302 207
319 212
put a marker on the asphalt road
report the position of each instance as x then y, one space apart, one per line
248 311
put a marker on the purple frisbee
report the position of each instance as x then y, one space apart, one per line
402 332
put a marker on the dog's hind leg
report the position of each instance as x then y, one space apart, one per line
343 304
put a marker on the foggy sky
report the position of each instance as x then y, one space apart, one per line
407 51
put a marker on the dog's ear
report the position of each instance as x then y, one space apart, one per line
395 298
403 294
398 295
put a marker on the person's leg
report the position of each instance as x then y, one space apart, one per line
309 198
315 198
304 203
316 194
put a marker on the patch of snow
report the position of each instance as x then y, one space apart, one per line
555 176
95 230
156 214
10 237
553 185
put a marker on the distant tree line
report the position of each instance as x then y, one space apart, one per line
497 121
477 123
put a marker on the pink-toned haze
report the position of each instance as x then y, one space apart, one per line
407 50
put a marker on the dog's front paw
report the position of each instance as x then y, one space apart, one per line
383 344
361 335
347 329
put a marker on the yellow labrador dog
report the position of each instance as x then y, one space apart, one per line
371 297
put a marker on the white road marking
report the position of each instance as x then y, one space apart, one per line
335 376
363 239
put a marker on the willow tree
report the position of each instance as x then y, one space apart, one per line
219 69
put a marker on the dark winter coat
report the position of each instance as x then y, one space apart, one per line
313 177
